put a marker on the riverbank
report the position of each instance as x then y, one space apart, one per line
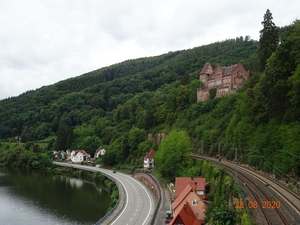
43 198
138 198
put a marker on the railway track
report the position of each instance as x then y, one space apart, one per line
288 195
260 201
271 203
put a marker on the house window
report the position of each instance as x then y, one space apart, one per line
200 192
194 202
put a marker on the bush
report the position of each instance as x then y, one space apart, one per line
98 177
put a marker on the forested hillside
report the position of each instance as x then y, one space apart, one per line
118 106
35 115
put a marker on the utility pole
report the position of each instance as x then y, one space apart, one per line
202 150
219 153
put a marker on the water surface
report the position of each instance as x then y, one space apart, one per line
41 198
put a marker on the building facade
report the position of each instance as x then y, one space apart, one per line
78 156
189 194
99 152
226 80
149 160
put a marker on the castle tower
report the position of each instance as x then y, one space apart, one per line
206 71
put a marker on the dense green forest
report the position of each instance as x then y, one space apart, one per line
117 106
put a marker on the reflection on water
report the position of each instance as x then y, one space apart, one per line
35 198
74 182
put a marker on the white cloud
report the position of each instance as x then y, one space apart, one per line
43 42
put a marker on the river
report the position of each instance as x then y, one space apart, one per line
40 198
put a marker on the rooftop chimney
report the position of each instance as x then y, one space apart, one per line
185 206
195 186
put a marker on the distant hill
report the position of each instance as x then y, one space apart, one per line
118 106
36 114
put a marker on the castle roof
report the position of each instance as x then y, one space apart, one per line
228 70
207 69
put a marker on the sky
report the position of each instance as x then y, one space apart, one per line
46 41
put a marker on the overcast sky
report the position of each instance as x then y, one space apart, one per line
45 41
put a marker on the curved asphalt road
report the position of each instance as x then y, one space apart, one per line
139 206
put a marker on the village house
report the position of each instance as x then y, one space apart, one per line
189 199
99 151
225 79
68 152
61 154
149 161
78 156
185 216
182 182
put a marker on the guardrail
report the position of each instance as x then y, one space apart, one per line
120 189
122 193
158 205
159 202
102 220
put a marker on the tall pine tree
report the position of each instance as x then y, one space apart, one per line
269 39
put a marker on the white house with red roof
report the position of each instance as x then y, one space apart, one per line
78 156
99 151
149 160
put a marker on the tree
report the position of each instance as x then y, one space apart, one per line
269 39
36 148
212 93
64 135
172 157
221 214
135 137
280 80
90 144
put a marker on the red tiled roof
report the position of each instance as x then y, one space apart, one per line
186 216
182 182
83 152
182 195
150 154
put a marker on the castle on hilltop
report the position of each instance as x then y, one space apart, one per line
225 79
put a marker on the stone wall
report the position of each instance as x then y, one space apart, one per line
149 182
156 138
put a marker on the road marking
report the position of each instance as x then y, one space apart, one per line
150 201
125 204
